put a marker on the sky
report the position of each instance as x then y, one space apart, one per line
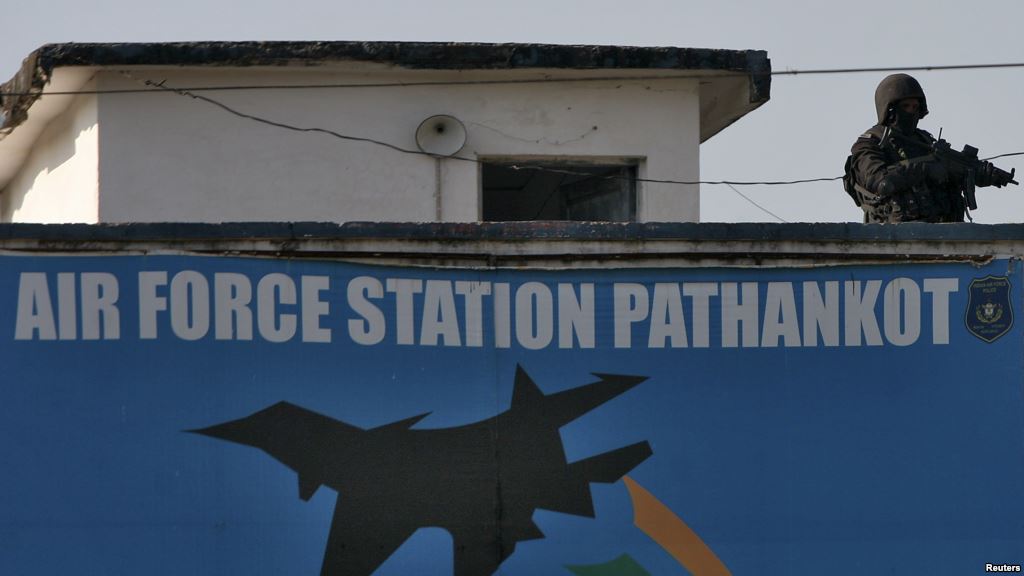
804 131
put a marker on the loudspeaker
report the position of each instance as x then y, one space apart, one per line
441 135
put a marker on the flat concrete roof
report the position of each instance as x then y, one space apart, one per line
423 55
18 94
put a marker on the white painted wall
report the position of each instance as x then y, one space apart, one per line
59 179
168 157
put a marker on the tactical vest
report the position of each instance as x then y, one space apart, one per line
919 203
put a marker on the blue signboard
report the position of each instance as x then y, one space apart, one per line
215 415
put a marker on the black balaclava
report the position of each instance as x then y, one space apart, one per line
903 121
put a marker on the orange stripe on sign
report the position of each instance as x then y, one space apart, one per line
672 534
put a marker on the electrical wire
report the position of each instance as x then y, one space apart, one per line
545 80
564 173
291 127
284 126
259 119
940 68
762 208
1004 155
152 86
730 183
661 181
550 195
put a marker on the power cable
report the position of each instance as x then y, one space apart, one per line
291 127
162 87
546 80
259 119
939 68
762 208
731 183
550 195
1004 155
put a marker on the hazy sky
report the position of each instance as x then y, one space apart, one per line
804 131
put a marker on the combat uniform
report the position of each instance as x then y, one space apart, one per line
891 173
898 180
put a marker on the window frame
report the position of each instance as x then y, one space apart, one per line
634 165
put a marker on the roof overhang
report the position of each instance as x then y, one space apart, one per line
732 82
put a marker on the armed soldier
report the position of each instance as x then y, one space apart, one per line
899 173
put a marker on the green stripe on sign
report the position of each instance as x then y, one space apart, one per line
622 566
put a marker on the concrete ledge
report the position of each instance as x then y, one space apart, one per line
556 244
548 230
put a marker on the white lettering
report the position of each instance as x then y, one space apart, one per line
534 317
272 291
403 289
780 319
859 309
821 315
631 305
232 295
902 303
502 316
439 317
473 294
575 316
667 319
190 305
99 306
313 308
940 289
35 312
370 329
150 303
701 293
735 314
67 310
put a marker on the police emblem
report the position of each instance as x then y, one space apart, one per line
989 312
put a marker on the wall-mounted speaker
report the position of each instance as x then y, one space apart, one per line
441 135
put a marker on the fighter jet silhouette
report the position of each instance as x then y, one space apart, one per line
481 482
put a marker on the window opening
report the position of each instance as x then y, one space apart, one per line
531 190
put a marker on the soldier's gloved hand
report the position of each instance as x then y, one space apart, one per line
891 184
924 169
907 174
989 175
985 175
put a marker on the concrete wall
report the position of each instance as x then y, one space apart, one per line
59 181
168 157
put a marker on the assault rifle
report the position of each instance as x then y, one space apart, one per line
971 171
965 167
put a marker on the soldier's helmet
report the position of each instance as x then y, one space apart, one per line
894 88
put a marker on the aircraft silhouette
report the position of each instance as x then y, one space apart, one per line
481 482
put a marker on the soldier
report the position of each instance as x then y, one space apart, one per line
893 175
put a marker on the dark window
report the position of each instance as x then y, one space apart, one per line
558 191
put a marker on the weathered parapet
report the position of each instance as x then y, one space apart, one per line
543 244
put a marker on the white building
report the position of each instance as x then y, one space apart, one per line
551 132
